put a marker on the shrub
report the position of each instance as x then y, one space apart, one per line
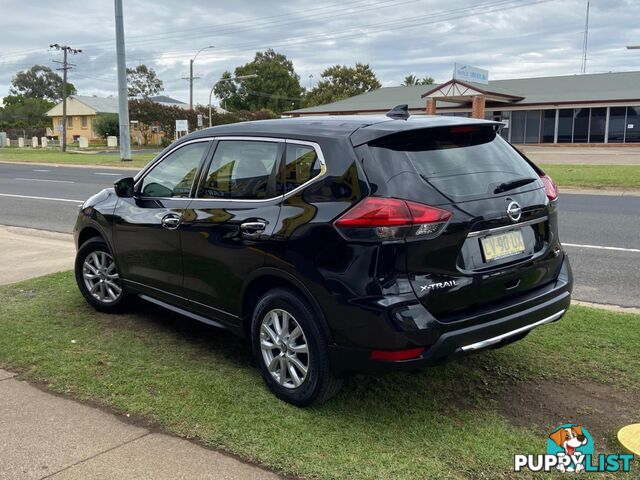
107 125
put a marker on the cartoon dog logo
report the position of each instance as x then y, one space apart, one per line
570 438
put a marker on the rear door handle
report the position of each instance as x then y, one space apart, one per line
171 221
253 229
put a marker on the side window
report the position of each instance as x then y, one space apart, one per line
174 175
301 166
241 169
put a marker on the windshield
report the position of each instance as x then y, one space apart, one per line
463 161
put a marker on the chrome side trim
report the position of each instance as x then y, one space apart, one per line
250 138
181 311
481 233
315 146
499 338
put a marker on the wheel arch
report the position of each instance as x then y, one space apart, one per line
87 233
265 279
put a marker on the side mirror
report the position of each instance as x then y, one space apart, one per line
124 187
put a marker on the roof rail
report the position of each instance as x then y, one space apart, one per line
399 112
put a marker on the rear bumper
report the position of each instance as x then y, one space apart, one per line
446 342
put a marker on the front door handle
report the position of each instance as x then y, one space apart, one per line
171 221
253 229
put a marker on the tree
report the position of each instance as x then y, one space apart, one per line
39 82
411 80
107 124
143 82
24 112
276 87
339 82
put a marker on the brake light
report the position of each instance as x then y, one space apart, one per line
396 355
550 187
376 218
464 129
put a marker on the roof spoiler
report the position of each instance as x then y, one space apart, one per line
399 112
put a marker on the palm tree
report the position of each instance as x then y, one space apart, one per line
410 80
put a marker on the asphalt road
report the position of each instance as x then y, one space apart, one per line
601 233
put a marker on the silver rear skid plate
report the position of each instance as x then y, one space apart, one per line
499 338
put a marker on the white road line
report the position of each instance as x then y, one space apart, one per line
110 174
37 170
43 180
42 198
599 247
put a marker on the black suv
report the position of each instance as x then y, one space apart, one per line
335 244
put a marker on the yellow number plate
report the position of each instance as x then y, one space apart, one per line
503 245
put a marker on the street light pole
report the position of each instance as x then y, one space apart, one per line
123 94
231 79
633 47
191 78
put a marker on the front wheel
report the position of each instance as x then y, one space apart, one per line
97 276
292 350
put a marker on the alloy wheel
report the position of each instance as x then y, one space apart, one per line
284 348
101 277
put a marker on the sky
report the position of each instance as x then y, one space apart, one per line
510 38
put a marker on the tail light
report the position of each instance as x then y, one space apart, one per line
377 218
550 187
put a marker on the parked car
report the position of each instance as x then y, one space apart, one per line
335 244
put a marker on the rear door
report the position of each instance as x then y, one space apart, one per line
501 240
229 222
146 228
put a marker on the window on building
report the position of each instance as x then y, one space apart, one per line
517 127
632 134
302 165
580 125
506 118
548 126
617 122
69 122
242 170
565 125
85 121
532 126
597 125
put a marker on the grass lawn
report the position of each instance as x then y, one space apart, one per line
463 420
595 176
55 156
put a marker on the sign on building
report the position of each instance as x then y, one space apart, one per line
470 74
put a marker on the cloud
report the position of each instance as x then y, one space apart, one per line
510 38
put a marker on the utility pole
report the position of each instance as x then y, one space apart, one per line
65 67
585 41
123 94
191 78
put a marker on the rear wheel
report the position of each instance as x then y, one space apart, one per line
292 350
97 276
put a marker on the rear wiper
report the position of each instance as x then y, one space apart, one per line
510 185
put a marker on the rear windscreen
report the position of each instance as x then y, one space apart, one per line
463 161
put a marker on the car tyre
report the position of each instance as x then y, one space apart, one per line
97 277
280 345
